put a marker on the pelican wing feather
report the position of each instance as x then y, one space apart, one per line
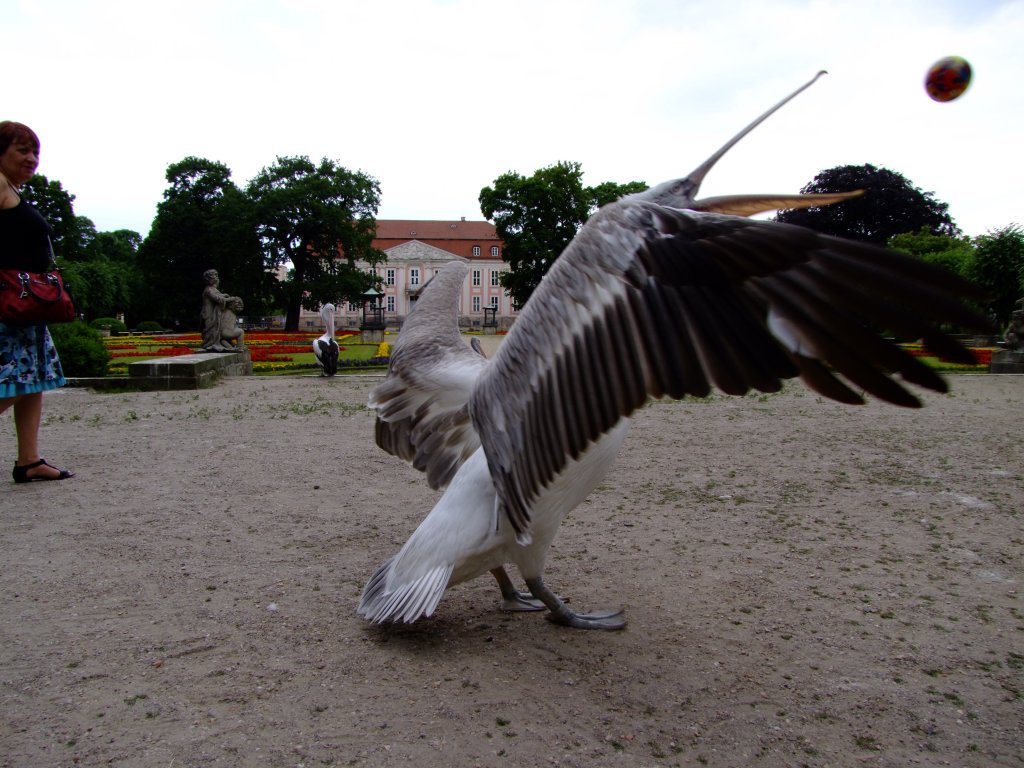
422 413
655 301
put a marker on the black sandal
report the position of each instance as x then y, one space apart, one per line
21 473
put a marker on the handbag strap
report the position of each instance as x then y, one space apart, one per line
51 278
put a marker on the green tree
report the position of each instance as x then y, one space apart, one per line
998 268
71 233
120 246
100 288
891 205
609 192
106 280
538 216
99 266
952 253
204 222
321 220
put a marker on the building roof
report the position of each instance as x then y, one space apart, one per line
418 229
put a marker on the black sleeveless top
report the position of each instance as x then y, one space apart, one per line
24 238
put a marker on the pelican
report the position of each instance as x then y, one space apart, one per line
326 348
660 294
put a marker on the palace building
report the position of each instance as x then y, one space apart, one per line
415 251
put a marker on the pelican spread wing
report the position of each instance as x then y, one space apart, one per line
422 413
661 294
652 301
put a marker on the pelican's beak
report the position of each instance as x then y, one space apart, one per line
683 192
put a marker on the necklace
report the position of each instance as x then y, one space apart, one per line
17 195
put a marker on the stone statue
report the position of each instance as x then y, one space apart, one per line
1014 336
219 317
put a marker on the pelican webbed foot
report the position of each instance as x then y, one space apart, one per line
521 602
561 614
511 598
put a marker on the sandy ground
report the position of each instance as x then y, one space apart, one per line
806 584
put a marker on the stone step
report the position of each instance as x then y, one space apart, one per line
196 371
1007 361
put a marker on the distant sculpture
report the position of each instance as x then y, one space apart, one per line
326 348
219 317
1014 336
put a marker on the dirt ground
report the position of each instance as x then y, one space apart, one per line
806 584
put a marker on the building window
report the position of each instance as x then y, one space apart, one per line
391 304
494 301
476 278
494 251
389 278
414 276
353 307
495 278
476 250
476 304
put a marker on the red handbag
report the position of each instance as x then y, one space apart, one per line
30 298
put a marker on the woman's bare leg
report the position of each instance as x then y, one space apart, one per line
28 414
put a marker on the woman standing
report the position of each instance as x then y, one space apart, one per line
28 360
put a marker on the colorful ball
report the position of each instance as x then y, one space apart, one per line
948 78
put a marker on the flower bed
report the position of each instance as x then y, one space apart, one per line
272 352
982 357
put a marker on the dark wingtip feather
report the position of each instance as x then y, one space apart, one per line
820 379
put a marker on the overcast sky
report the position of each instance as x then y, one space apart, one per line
435 99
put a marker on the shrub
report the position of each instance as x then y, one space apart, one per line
116 326
81 350
149 326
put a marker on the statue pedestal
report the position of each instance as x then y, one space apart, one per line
371 335
190 371
1007 361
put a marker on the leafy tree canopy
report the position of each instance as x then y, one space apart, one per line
121 245
204 222
994 262
998 268
891 205
99 266
102 287
310 214
538 216
609 192
71 233
107 281
952 253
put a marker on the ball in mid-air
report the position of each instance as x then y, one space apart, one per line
948 78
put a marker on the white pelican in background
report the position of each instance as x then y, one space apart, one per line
326 348
660 294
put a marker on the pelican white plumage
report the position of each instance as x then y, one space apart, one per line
660 294
326 347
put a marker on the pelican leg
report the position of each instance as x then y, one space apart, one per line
512 598
561 614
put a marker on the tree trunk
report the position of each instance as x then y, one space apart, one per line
291 318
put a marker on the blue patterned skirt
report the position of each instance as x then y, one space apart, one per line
28 361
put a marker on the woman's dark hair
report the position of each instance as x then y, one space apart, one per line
12 132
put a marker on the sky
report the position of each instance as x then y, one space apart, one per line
437 98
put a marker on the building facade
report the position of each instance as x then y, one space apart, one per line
416 251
